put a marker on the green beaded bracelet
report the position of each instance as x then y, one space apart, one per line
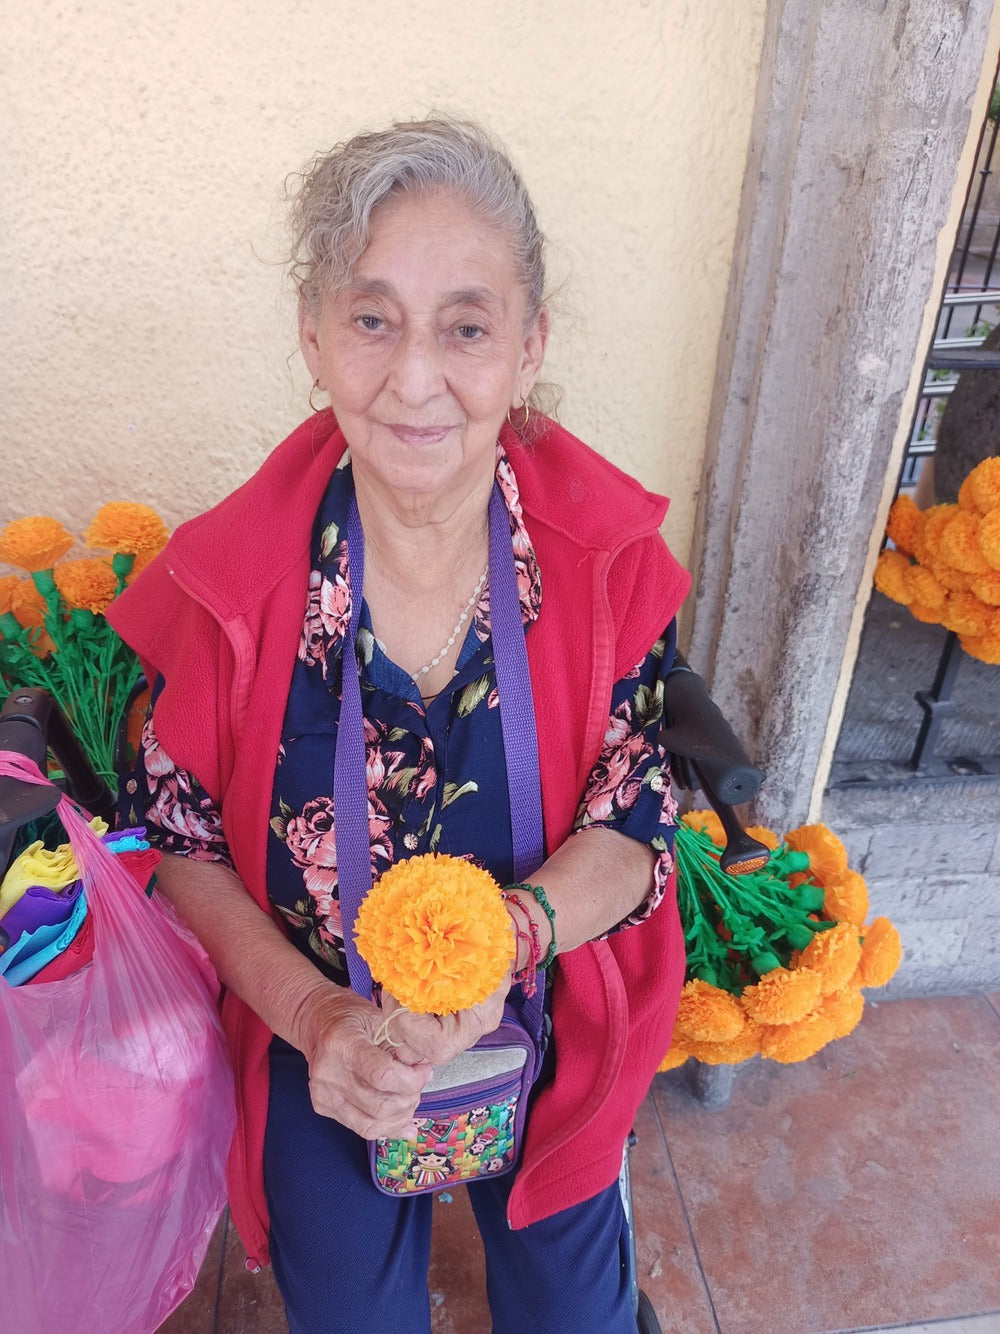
538 894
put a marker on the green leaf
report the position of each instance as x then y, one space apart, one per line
284 808
279 826
473 694
452 792
647 706
435 838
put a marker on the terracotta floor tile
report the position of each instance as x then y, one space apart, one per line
457 1277
857 1189
666 1262
196 1314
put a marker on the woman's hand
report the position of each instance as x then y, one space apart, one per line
437 1038
372 1091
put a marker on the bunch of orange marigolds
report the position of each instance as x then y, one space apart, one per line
777 959
946 565
53 632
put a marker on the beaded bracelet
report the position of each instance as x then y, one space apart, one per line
525 977
538 894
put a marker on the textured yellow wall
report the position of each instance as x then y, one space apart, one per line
148 343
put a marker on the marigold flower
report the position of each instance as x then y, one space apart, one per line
89 583
788 1043
929 615
30 608
989 538
881 952
707 1014
981 489
8 584
143 559
903 520
435 932
984 647
834 955
927 536
959 544
764 835
782 996
34 543
675 1057
126 527
844 1009
708 823
890 572
965 614
986 587
951 579
846 899
827 855
921 586
745 1045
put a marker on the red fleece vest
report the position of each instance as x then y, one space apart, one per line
219 613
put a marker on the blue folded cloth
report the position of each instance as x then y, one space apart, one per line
30 953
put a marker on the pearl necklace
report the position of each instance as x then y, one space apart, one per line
476 592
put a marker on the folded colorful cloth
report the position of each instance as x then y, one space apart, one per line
29 954
40 906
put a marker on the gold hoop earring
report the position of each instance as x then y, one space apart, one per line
527 414
309 400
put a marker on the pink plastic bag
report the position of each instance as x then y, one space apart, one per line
116 1115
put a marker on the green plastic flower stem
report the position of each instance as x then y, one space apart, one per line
44 582
10 626
121 563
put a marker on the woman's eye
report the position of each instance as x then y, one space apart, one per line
469 331
370 322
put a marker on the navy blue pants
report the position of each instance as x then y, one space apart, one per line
350 1260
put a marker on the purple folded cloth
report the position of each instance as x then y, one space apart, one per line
39 906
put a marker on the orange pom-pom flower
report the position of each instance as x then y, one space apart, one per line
707 1014
844 1009
834 955
959 544
890 575
881 953
846 899
927 537
127 528
989 538
797 1042
34 543
827 855
435 932
707 823
902 526
782 996
675 1057
984 647
89 584
981 489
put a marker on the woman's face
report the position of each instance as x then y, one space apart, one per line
425 351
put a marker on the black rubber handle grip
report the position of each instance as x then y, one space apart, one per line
696 734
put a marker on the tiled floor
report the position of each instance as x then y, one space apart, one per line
857 1191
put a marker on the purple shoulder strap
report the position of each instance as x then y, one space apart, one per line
517 724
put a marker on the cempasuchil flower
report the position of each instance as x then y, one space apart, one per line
435 932
90 584
707 1014
834 955
798 1041
959 544
827 855
128 528
843 1009
981 489
927 536
881 953
989 538
846 899
708 823
741 1048
782 996
903 520
34 543
890 575
984 647
675 1057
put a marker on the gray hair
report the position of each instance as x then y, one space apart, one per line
332 201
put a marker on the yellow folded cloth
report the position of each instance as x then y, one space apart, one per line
39 865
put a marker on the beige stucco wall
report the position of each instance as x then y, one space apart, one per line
148 347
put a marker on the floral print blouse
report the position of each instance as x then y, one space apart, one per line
436 774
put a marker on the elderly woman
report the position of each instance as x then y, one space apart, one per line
420 280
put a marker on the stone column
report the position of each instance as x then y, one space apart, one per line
863 109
